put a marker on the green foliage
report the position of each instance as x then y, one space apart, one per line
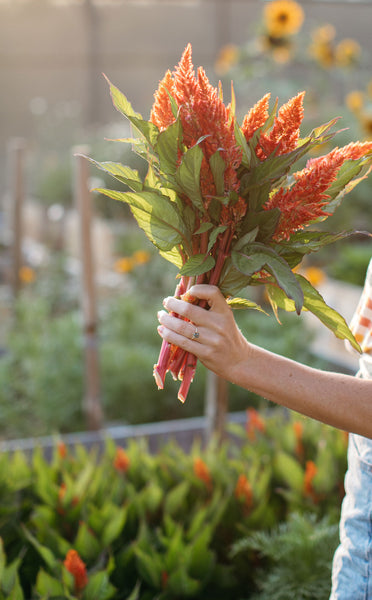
172 525
298 554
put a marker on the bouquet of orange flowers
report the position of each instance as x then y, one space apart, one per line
223 202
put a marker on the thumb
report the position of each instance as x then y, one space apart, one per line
211 294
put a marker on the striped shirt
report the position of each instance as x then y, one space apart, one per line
361 323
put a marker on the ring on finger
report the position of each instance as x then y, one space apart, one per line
196 334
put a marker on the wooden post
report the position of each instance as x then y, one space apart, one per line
216 404
17 191
92 398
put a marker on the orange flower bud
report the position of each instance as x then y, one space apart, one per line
310 472
243 491
77 568
121 460
202 472
254 423
62 450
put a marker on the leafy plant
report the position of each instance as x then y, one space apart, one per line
121 522
298 556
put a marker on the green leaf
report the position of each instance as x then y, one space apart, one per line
122 104
48 586
349 176
203 228
149 131
114 526
150 567
314 303
181 584
217 165
247 238
242 142
9 581
99 587
86 543
45 553
265 220
155 214
176 498
121 172
198 264
120 101
188 175
243 303
289 471
173 256
167 146
214 235
257 257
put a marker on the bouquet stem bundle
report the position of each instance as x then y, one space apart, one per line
225 203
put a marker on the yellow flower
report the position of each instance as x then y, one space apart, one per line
355 101
227 58
347 52
124 265
323 53
26 274
369 88
314 275
366 122
140 257
321 48
281 55
325 33
283 18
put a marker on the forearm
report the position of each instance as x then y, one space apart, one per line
339 400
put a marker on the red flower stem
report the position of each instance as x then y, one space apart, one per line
188 376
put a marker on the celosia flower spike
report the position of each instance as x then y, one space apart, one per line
256 117
185 84
161 113
305 200
285 133
77 568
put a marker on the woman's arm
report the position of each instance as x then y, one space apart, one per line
339 400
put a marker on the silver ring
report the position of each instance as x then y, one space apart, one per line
196 334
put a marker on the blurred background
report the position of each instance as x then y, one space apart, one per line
53 54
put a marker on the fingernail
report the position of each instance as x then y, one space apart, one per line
165 301
160 330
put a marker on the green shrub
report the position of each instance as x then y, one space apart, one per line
174 524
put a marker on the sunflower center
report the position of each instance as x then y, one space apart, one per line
282 17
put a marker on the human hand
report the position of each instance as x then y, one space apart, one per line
220 346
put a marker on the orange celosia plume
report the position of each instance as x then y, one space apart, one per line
77 568
202 113
121 460
285 132
256 117
307 199
243 491
202 472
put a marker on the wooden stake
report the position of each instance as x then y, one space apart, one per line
216 405
92 398
17 191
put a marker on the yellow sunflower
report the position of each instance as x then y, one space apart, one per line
283 18
355 101
366 122
347 52
227 58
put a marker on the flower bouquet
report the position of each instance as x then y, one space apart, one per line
223 201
